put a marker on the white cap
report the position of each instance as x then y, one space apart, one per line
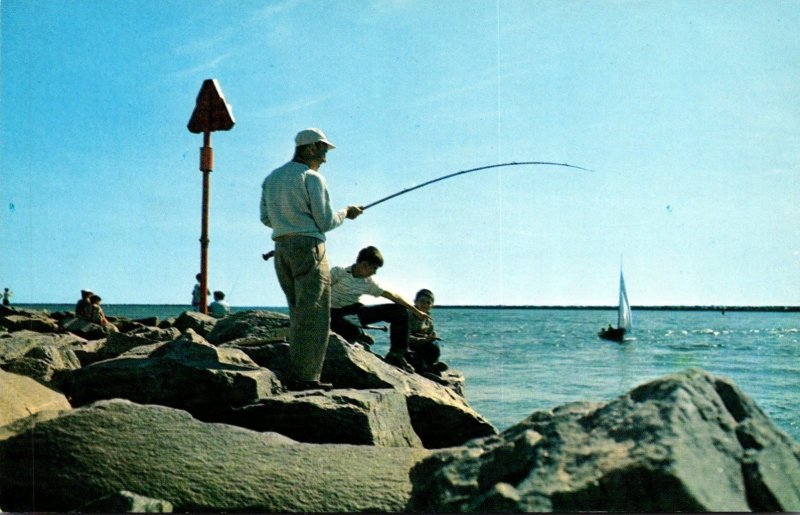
309 136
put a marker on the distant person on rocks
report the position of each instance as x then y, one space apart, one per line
197 292
347 287
83 309
425 351
98 316
7 294
296 205
219 308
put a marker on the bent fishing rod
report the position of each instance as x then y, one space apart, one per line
448 176
462 172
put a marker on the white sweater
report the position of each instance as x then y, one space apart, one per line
295 200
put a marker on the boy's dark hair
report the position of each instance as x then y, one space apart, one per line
218 295
371 255
424 292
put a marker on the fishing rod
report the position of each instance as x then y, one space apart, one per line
462 172
269 254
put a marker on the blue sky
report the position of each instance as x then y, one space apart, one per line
687 110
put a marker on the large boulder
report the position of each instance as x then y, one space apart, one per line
46 364
188 373
83 328
162 453
21 397
15 345
687 442
200 323
119 343
440 416
360 417
266 326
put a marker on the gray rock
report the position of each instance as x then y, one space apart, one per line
15 345
198 322
267 326
687 442
126 502
119 343
274 356
188 373
440 416
38 323
359 417
193 349
162 453
22 396
83 328
44 363
88 351
149 321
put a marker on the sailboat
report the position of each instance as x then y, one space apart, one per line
624 320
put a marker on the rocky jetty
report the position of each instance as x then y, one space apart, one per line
190 414
690 442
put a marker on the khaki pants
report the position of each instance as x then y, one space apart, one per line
303 273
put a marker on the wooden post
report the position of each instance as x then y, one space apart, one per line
211 113
206 166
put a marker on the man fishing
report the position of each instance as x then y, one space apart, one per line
295 203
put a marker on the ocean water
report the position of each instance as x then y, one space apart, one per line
517 361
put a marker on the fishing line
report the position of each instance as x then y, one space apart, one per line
462 172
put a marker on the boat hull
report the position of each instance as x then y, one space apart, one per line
614 334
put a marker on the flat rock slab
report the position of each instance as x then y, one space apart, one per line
359 417
689 442
38 323
165 454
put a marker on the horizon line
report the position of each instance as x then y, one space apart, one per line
647 307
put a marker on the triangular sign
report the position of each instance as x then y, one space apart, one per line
212 112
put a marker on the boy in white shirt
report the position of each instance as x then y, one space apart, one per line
347 287
219 308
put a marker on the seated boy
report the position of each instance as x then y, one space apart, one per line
422 341
219 308
347 287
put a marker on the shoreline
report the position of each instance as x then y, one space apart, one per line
722 308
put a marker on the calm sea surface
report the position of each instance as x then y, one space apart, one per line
517 361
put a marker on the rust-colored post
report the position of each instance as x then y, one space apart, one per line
211 113
206 166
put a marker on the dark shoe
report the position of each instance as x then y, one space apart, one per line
439 367
364 343
397 359
298 385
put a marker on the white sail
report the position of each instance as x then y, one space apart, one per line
624 320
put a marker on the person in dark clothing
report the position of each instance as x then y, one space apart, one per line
425 351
